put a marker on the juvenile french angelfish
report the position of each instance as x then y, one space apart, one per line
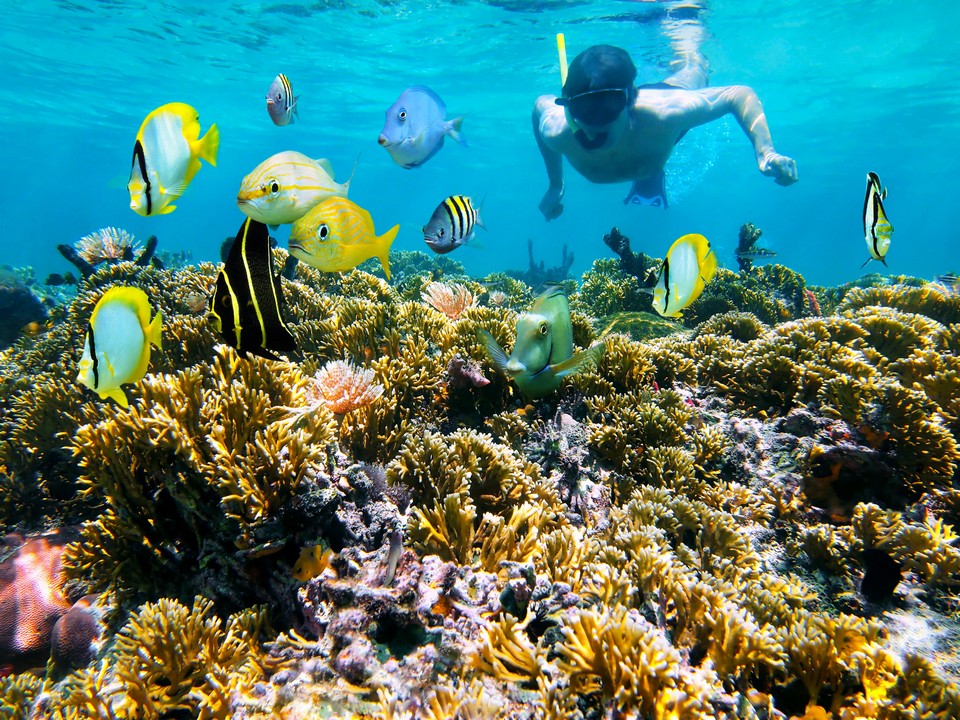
166 157
281 103
452 224
877 230
690 264
117 346
416 125
247 304
284 186
543 353
338 235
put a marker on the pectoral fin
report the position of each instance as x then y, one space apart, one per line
494 351
583 360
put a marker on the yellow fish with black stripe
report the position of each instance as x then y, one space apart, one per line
247 304
166 157
451 224
284 186
690 264
117 345
338 235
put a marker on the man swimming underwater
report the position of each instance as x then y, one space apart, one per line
611 131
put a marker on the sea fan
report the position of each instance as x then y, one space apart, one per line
107 244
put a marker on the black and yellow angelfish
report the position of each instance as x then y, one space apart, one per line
877 230
247 303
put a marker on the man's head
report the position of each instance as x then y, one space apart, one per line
599 85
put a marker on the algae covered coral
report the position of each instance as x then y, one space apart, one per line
686 530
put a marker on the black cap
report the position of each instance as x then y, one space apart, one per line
599 67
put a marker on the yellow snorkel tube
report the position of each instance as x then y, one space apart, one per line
562 53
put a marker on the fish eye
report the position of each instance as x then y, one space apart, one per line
402 115
440 232
323 231
543 328
279 97
274 187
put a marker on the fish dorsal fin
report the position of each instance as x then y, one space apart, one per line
326 165
432 95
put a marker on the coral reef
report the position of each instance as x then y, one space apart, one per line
747 248
19 306
631 263
739 519
537 276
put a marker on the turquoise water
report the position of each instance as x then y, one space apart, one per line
847 88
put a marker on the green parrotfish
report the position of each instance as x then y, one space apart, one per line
543 354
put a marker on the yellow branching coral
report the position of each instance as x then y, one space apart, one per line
506 652
614 653
170 659
17 694
196 474
449 298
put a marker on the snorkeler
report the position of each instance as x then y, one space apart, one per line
611 131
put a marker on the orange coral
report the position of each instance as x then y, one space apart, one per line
343 387
450 299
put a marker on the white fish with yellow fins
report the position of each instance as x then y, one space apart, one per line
690 264
338 235
166 157
284 186
117 346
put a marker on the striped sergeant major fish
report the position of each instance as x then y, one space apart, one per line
451 224
281 103
877 230
247 304
166 157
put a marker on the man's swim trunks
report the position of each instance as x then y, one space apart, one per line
650 191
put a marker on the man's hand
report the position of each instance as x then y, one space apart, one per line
550 206
782 169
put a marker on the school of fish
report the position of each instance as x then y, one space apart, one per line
334 234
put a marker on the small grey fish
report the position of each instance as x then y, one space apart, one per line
754 253
281 103
416 125
452 224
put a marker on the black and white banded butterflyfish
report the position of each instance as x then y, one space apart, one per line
247 304
452 224
877 230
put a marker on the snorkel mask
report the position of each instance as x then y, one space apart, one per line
594 108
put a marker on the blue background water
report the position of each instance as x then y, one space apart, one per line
847 88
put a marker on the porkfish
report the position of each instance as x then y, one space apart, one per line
117 346
338 235
247 304
690 264
543 353
166 157
285 186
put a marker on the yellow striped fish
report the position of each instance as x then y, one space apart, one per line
877 230
451 224
338 235
284 186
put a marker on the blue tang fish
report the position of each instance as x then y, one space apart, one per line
416 125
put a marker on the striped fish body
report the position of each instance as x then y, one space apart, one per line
338 235
166 157
877 230
281 103
247 303
285 186
451 225
690 264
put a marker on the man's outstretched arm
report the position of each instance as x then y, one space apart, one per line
550 205
742 102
